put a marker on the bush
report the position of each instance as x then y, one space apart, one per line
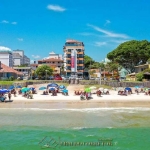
140 76
11 78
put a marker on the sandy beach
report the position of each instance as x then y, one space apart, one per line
73 101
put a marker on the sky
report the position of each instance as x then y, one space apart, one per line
41 26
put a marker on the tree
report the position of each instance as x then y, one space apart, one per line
131 53
88 61
44 70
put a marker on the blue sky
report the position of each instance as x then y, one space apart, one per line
41 26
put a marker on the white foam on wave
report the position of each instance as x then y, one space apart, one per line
120 109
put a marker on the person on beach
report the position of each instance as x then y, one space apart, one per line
9 96
14 93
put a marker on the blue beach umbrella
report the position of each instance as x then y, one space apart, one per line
19 86
4 90
42 88
52 88
128 89
65 91
32 88
62 87
52 85
11 87
137 87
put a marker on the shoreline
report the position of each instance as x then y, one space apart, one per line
74 104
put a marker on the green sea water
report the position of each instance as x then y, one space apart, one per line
75 129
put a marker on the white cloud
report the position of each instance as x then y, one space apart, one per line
3 48
5 21
56 8
118 41
20 39
108 33
107 22
100 43
14 23
35 56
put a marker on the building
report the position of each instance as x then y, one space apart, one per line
6 57
7 72
26 71
55 61
74 57
20 58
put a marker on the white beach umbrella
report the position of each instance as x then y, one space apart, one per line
92 87
101 89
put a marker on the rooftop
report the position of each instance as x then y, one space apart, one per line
7 69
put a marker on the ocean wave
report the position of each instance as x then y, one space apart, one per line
120 109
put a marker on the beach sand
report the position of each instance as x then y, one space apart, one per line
72 101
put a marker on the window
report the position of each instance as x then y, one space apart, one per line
53 62
69 50
68 68
68 55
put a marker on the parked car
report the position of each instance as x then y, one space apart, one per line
51 78
57 78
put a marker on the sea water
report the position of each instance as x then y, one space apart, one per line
75 129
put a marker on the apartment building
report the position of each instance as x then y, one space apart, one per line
6 57
54 60
20 58
74 57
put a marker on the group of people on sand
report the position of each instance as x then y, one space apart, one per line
3 96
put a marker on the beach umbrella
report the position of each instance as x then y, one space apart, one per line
128 89
51 88
4 90
32 88
92 87
87 90
52 85
25 89
65 91
101 89
42 88
19 86
11 87
62 87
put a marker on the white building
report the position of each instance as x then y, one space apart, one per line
54 55
20 58
6 56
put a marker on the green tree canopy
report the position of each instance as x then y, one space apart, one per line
88 61
41 70
130 54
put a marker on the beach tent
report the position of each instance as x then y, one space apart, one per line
51 88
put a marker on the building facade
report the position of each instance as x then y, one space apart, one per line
74 57
6 57
55 61
20 58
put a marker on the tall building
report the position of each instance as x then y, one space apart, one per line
6 57
20 58
74 57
